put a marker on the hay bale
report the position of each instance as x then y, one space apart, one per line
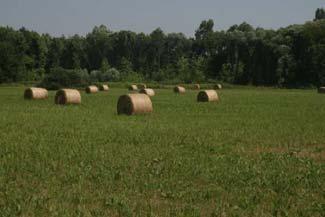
103 87
148 91
142 86
67 96
179 89
218 87
91 89
35 93
207 96
133 87
196 87
136 103
321 90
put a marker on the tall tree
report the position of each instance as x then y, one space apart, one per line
320 14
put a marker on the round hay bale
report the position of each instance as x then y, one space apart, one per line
321 90
218 87
67 96
207 96
35 93
142 86
91 89
148 91
103 87
196 86
179 89
133 87
136 103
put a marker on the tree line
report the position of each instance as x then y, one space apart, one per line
292 56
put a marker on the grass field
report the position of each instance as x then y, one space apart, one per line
259 152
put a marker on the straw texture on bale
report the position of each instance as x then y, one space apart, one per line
321 90
196 87
133 87
92 89
132 104
148 91
142 86
179 89
207 96
218 87
35 93
67 96
103 87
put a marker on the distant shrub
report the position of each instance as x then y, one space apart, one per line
133 77
59 78
95 76
111 74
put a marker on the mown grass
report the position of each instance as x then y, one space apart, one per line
259 152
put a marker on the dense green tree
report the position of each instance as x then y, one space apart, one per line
291 56
127 72
183 70
104 66
197 69
55 48
13 57
36 49
99 46
205 44
155 50
74 53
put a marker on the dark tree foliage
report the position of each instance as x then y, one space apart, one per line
290 57
59 78
320 14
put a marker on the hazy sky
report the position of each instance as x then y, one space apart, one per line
80 16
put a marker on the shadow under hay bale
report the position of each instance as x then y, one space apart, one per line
179 89
208 96
103 87
196 87
148 91
132 104
321 90
36 93
133 87
67 96
217 87
91 89
141 86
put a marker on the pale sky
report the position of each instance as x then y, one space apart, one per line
69 17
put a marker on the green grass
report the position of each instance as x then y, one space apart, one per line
259 152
